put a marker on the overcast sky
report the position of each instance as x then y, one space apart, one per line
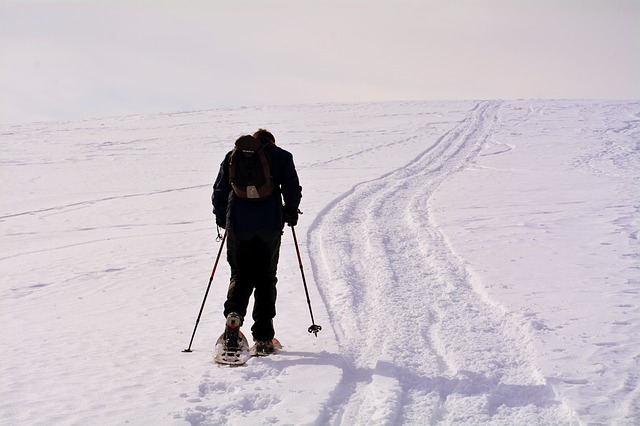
66 59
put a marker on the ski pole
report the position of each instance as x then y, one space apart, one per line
215 265
313 328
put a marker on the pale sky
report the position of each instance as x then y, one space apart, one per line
74 59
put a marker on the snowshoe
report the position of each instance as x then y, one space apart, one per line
265 347
232 347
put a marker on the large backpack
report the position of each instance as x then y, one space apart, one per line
249 170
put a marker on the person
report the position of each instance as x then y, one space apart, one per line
254 231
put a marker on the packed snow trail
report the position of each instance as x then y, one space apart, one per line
477 366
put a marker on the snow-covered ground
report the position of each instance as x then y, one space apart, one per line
469 262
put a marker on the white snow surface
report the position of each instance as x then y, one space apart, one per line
470 262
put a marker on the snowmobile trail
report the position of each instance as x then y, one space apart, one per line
478 366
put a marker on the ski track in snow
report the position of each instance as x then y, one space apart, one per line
478 365
82 204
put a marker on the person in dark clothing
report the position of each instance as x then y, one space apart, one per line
254 230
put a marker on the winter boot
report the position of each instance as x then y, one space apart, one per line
265 346
232 331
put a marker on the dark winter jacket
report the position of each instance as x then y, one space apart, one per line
243 215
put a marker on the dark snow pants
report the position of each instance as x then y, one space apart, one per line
253 258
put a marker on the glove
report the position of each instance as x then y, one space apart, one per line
221 222
290 216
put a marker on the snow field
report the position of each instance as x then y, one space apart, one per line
470 263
